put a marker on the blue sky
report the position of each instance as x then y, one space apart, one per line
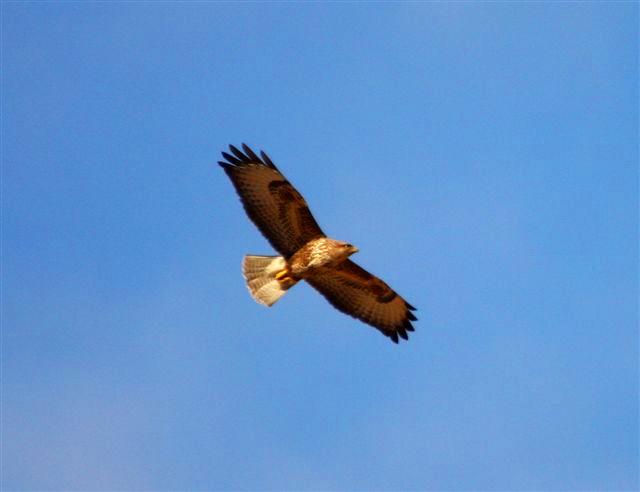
483 157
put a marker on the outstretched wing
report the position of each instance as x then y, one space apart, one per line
271 202
356 292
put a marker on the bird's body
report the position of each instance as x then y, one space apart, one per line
318 254
282 215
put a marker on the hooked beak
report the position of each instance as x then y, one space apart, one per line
354 249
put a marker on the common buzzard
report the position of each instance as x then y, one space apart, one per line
283 217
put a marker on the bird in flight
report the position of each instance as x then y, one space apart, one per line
306 253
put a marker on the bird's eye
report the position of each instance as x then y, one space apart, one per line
348 245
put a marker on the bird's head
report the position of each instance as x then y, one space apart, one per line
348 248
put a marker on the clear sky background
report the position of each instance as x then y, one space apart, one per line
482 156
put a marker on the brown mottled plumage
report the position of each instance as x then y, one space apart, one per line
283 217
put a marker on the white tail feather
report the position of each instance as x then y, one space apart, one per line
260 273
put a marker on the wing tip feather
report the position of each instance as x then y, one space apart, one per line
267 160
401 331
237 153
250 153
246 156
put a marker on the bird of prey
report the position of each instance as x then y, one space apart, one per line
283 217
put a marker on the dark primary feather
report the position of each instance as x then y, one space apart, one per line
239 154
250 153
267 160
231 159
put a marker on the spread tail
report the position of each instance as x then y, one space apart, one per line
267 278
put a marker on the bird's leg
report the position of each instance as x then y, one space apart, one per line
284 277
